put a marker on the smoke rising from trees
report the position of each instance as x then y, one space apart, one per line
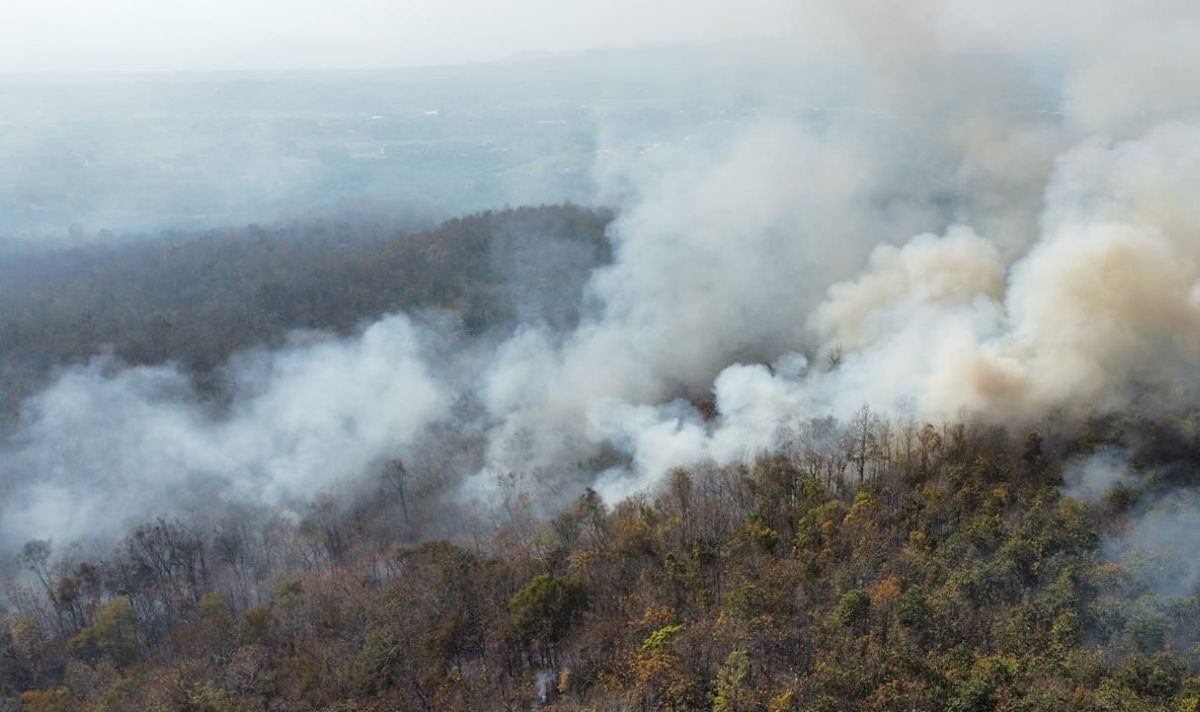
772 272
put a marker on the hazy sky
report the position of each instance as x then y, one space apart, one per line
154 35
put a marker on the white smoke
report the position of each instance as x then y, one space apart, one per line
718 260
1045 158
1106 303
1092 477
105 447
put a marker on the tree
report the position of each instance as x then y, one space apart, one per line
397 477
113 637
545 608
35 557
862 445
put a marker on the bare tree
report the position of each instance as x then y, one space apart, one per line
396 475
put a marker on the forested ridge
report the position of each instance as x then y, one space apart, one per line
871 565
874 563
196 299
843 357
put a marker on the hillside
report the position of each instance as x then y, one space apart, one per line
196 299
956 575
843 357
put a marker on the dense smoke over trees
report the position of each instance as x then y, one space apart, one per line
956 574
887 403
212 392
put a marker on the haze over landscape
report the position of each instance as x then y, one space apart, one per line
787 356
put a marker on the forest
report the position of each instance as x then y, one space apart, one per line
766 356
877 562
872 565
198 298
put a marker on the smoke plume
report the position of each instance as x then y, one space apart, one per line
104 448
991 215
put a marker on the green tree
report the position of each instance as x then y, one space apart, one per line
112 637
545 608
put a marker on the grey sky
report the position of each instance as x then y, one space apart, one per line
155 35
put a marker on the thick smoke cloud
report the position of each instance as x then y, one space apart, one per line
710 268
105 447
1102 309
771 272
